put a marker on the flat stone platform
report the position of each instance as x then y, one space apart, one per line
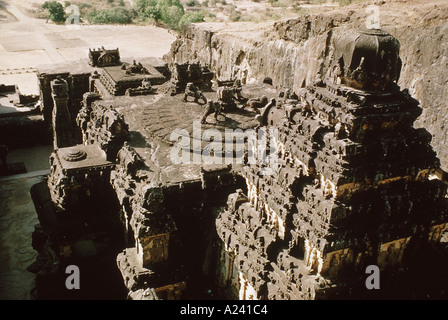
153 119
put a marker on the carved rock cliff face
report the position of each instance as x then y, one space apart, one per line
293 53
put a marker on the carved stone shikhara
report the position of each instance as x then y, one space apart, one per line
350 188
352 185
367 59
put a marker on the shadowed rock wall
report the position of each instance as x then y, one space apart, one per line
294 52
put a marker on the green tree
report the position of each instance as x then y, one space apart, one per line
140 5
153 12
119 15
191 17
56 11
148 9
172 15
192 3
168 11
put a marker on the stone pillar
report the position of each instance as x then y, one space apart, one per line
62 124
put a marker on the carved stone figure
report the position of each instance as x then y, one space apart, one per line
257 103
181 74
145 88
192 91
212 107
237 89
226 96
135 68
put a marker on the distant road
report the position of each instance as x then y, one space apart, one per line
37 28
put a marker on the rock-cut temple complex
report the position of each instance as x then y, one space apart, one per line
350 183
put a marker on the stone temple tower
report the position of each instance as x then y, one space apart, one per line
354 186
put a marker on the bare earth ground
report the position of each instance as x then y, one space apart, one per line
26 42
30 42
